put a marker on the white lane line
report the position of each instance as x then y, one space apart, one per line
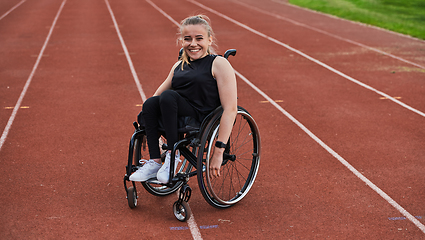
27 84
338 157
127 55
308 57
163 13
327 33
13 8
193 227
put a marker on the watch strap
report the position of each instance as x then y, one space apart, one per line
220 144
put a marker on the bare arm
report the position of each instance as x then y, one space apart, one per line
167 83
226 82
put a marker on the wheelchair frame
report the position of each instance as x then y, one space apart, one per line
197 146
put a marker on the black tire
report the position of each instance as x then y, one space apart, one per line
181 211
132 197
238 172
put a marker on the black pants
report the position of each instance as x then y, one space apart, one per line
166 108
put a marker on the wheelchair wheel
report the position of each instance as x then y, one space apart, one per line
181 211
154 187
240 161
132 197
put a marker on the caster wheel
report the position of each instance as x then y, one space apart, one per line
132 197
181 211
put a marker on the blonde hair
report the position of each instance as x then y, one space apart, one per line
196 20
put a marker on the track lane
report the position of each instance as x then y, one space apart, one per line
388 41
280 17
321 197
72 136
418 142
152 71
21 41
6 7
370 68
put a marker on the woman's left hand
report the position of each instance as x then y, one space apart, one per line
215 163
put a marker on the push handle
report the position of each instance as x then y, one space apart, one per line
230 52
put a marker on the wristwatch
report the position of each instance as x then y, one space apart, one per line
220 144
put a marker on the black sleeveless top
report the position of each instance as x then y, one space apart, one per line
196 84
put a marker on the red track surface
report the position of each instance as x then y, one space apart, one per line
64 157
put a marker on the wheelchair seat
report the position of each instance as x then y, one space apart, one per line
185 124
188 124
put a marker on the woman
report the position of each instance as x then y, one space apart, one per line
196 85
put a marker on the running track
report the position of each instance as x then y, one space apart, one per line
340 107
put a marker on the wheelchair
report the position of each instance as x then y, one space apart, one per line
241 160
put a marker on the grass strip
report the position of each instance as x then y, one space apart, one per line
403 16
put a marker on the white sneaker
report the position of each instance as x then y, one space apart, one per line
147 171
163 174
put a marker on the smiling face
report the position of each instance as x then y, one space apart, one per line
195 41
